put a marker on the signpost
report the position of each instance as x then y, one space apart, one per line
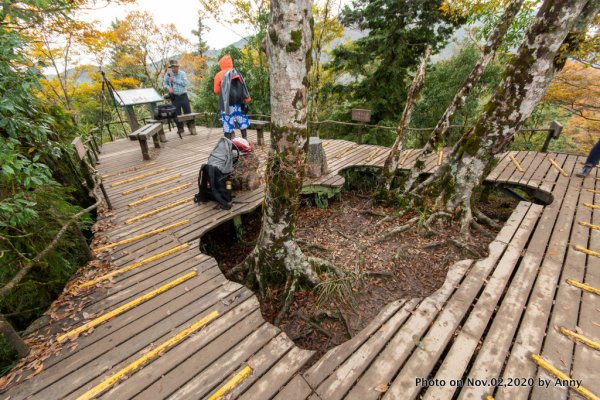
129 98
361 115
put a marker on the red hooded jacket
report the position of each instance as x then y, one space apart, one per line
226 63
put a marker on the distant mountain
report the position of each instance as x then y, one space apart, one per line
454 45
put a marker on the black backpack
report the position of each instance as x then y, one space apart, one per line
165 111
236 91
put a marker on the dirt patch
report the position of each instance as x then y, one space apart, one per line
379 269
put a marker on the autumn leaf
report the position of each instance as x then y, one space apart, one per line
381 388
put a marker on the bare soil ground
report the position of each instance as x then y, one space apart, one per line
348 233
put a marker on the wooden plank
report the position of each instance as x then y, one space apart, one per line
397 337
513 223
278 375
336 356
492 354
173 370
464 346
137 283
511 168
586 363
531 170
410 337
525 165
122 338
537 178
128 352
552 175
259 362
557 348
503 162
296 389
426 355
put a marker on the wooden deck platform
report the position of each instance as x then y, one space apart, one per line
163 322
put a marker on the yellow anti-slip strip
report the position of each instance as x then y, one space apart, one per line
583 286
232 383
406 155
371 154
158 210
593 191
587 224
562 376
579 338
134 266
558 168
154 183
440 157
132 169
143 235
166 192
148 357
120 310
517 164
593 206
587 251
137 178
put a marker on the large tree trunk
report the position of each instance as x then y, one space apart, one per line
524 84
277 257
489 51
391 163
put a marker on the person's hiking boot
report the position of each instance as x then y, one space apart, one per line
585 171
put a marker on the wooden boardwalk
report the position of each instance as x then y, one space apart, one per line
163 322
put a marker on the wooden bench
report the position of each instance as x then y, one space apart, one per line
190 120
154 130
259 126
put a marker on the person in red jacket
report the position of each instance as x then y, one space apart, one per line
233 95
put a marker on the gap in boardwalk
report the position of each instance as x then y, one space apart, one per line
347 233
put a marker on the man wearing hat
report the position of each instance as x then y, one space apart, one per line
176 82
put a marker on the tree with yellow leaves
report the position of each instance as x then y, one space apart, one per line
141 49
576 89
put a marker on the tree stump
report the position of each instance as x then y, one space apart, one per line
316 164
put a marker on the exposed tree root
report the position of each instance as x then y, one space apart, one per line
399 229
388 218
346 323
480 229
465 247
432 245
435 216
485 219
320 263
291 285
344 235
313 324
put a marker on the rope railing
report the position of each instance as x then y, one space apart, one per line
213 117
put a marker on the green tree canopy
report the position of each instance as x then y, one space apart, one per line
398 32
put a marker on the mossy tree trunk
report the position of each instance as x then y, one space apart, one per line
391 163
489 51
541 55
276 257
